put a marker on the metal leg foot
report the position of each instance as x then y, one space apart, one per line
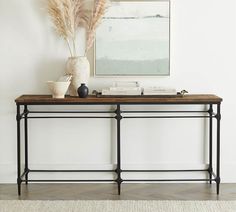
217 188
19 186
119 187
210 175
26 178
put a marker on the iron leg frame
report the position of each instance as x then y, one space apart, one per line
218 118
20 116
26 143
118 170
210 168
18 119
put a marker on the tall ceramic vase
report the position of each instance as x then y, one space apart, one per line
79 68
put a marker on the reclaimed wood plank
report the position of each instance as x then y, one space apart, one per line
187 99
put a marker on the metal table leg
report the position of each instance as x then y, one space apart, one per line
26 171
18 119
218 118
118 168
210 169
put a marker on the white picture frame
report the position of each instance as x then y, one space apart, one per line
134 39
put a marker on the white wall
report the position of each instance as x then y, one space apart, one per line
203 54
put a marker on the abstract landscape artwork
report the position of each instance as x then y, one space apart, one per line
134 39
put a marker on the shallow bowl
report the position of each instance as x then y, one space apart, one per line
58 89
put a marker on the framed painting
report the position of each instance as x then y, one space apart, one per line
134 39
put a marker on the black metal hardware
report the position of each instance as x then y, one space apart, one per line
26 142
214 175
70 180
24 173
69 117
118 116
210 169
183 92
18 118
218 117
164 117
84 170
71 112
164 180
164 111
167 170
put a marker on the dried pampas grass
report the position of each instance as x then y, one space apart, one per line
98 11
81 14
69 15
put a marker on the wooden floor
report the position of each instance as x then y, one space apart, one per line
94 191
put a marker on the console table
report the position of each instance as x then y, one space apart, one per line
212 103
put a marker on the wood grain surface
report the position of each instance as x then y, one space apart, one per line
187 99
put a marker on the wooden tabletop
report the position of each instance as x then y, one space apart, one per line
187 99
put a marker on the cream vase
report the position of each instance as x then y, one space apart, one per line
79 68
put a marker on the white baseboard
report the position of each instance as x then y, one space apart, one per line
8 172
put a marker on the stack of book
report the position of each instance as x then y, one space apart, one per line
123 89
159 91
